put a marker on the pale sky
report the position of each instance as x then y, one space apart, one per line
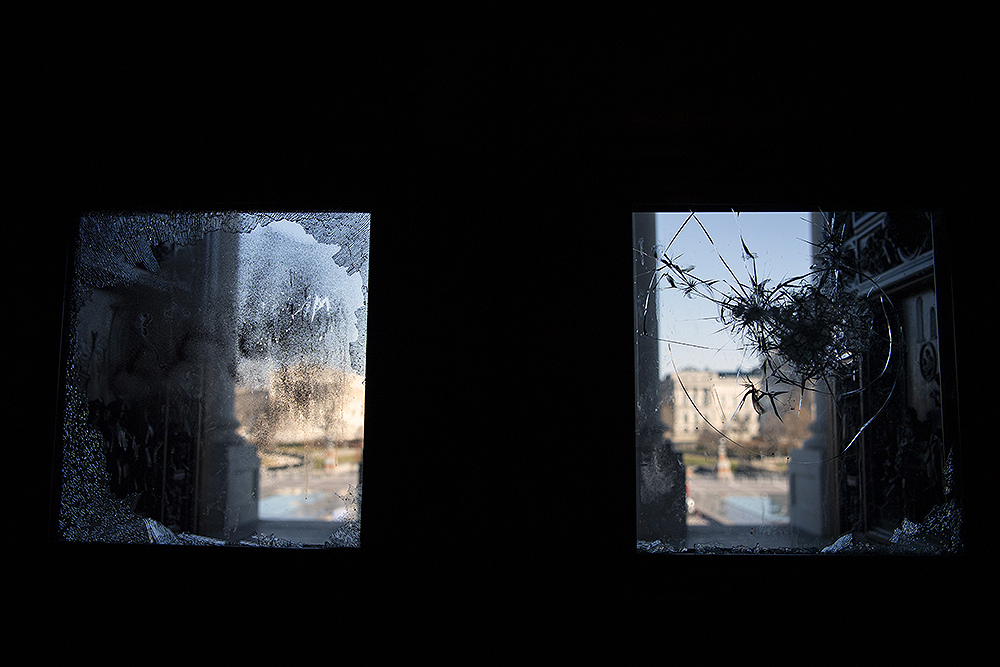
779 240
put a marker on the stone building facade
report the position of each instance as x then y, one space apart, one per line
304 403
716 396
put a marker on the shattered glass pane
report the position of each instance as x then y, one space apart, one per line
214 390
788 362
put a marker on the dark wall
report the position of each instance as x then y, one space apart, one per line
501 183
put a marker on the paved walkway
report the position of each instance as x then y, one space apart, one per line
715 524
299 507
764 500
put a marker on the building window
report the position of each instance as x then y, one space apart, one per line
817 333
214 381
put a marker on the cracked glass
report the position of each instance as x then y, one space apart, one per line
215 380
789 393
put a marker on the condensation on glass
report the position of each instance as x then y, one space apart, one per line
821 429
214 385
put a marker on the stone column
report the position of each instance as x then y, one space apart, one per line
229 469
661 512
808 477
809 471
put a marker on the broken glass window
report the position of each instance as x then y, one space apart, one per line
789 384
214 386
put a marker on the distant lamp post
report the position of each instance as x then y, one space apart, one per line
723 467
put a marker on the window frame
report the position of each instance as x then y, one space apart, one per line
934 268
74 261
